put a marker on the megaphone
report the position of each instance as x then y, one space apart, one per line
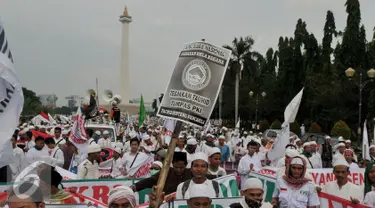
108 96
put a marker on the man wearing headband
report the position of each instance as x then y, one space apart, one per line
342 187
121 196
339 153
253 194
349 157
294 190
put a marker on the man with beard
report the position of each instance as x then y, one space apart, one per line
294 190
342 187
307 154
176 175
209 144
316 158
36 153
89 168
253 194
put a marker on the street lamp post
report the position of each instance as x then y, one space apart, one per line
251 94
350 74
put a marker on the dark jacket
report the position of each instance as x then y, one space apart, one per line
326 152
235 205
171 183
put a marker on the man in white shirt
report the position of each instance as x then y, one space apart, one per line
349 157
106 141
54 152
199 169
37 152
249 162
316 158
117 168
19 159
339 153
58 138
191 146
342 187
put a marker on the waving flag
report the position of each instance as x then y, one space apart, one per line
78 134
142 112
11 100
365 145
278 148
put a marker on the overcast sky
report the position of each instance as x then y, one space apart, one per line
62 46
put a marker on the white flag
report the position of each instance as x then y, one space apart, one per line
365 146
11 100
278 148
169 124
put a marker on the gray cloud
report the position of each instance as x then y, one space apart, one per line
62 46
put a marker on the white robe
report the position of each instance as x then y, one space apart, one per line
117 168
34 155
58 156
244 166
19 162
349 190
316 160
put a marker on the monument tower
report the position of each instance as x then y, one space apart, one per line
125 19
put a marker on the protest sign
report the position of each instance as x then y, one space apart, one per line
99 189
195 83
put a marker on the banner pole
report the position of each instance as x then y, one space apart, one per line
167 163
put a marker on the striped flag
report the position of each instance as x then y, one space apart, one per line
11 100
78 134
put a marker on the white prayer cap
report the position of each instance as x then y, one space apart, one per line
122 192
145 137
189 137
245 132
260 133
66 126
210 135
306 144
297 140
65 132
214 150
105 132
341 162
296 161
239 141
328 137
221 137
313 143
94 148
98 132
372 146
149 130
251 132
24 124
224 128
341 139
192 141
119 145
200 156
31 127
340 145
348 141
118 150
291 152
181 136
158 163
252 183
199 191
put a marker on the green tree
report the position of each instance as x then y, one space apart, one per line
341 129
32 105
327 50
295 128
263 125
276 124
315 128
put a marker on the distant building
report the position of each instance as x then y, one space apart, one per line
74 100
48 100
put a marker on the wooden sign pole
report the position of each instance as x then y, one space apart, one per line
167 163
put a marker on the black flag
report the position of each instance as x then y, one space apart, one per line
91 111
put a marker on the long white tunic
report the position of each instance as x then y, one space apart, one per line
349 190
290 197
316 160
244 166
58 156
19 162
210 190
370 199
117 168
36 155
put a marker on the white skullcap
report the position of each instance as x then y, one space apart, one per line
328 137
340 145
224 128
214 150
94 148
122 192
296 161
98 132
192 141
149 130
245 132
145 137
181 136
118 150
251 132
341 162
260 133
221 137
252 183
291 152
120 145
306 144
341 139
200 156
158 163
348 141
31 127
199 191
239 141
105 132
372 146
297 140
65 132
210 135
313 143
189 137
